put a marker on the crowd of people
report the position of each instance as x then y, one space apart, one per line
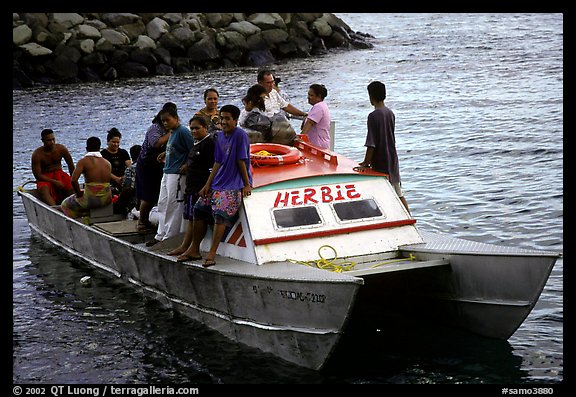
197 175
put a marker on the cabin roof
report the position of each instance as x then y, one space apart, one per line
315 162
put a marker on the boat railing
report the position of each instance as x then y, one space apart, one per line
310 149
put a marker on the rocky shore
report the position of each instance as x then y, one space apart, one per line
61 48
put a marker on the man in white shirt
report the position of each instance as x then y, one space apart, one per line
274 102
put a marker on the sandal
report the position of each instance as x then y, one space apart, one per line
152 242
208 263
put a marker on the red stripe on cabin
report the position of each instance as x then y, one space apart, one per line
242 242
344 230
235 235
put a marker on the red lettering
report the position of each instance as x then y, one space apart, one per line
295 196
309 193
280 200
338 194
326 196
351 192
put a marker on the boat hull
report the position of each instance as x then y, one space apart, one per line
488 289
297 318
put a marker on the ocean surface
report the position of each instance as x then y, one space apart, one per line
478 100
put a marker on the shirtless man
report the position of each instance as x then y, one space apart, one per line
52 183
97 173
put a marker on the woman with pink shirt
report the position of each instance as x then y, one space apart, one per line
317 123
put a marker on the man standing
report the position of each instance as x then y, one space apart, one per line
380 143
173 182
230 181
97 173
52 183
274 101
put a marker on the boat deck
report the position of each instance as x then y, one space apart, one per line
341 269
435 242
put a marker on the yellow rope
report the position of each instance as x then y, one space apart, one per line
343 266
411 257
264 153
21 187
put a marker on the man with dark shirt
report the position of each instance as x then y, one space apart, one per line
380 143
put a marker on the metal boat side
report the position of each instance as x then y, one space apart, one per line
489 290
294 312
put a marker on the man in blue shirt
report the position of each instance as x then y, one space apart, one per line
229 182
171 198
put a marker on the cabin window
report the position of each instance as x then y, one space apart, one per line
296 216
358 209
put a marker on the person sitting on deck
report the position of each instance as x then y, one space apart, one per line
252 118
52 183
97 173
127 198
118 157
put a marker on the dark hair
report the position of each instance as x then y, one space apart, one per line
135 152
93 144
254 95
320 90
46 131
233 110
377 90
113 133
201 119
277 80
210 89
262 73
171 111
167 106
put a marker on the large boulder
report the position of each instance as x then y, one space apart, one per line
21 34
115 19
67 19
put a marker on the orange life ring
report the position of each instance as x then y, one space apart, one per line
280 154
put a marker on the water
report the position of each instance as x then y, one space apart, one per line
479 110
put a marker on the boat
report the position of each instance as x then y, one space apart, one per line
318 246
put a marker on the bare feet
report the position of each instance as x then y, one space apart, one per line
189 254
177 251
185 258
